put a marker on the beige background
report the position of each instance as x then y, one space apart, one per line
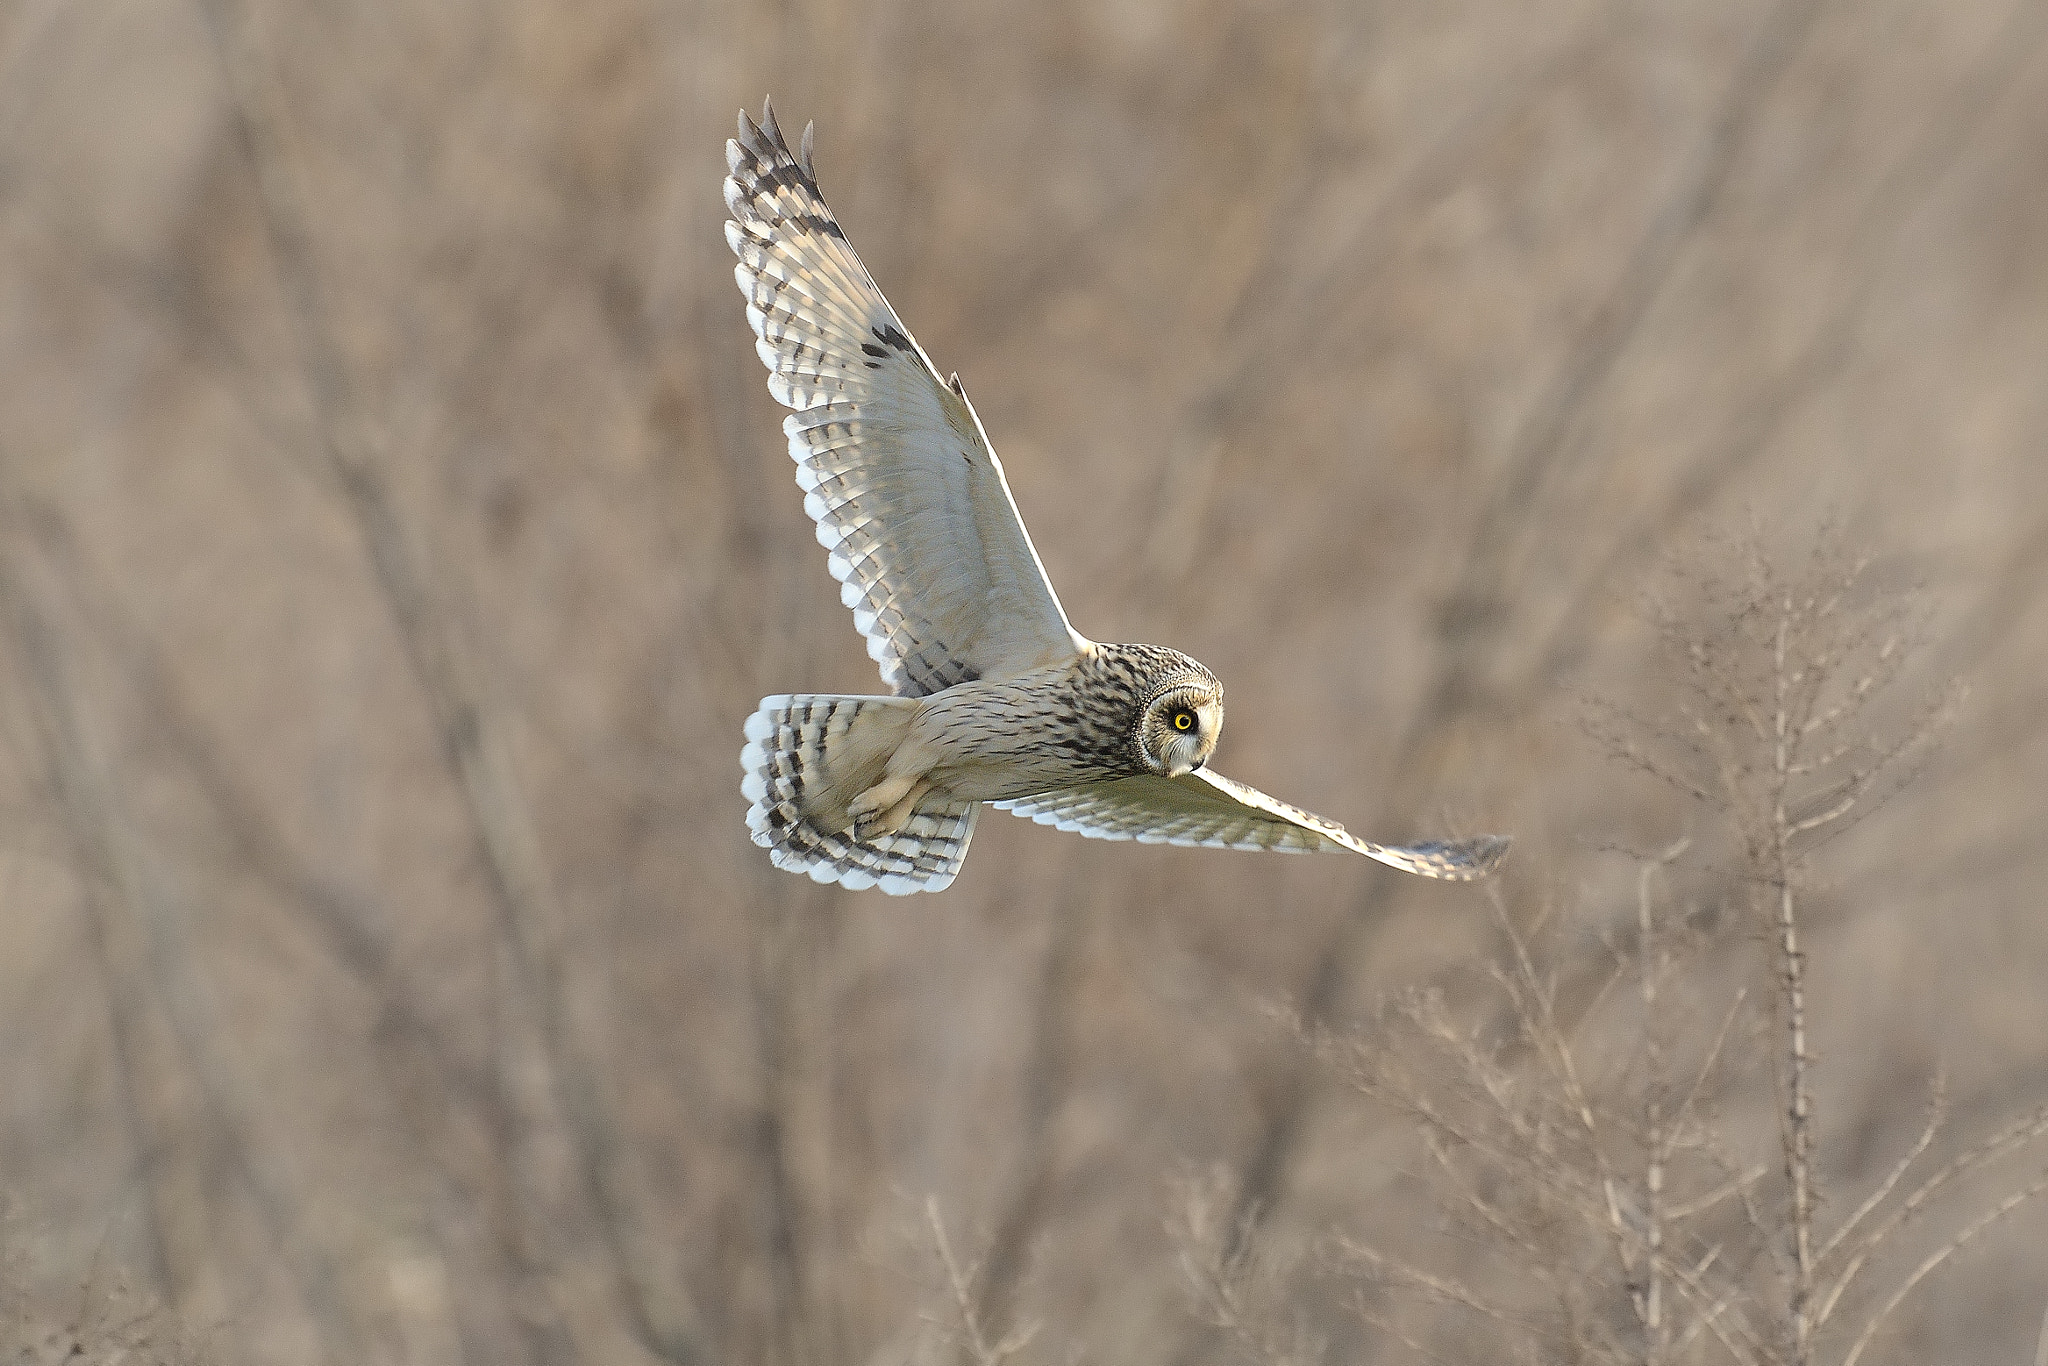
395 530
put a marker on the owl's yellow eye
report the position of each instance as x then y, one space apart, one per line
1183 720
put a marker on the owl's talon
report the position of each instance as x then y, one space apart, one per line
885 808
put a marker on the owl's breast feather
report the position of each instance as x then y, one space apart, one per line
991 740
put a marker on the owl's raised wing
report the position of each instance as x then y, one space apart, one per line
908 495
1209 810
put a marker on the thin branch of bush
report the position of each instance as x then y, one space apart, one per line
969 1330
1630 1221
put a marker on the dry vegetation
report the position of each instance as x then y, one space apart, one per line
1583 1122
395 530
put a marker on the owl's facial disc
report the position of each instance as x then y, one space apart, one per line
1178 730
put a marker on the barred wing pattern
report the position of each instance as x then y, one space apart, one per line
908 495
788 743
1209 810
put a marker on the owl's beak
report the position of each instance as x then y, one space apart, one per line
1183 755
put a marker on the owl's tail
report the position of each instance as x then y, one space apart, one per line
808 756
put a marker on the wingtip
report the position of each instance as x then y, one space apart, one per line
765 138
1463 860
1477 857
1492 849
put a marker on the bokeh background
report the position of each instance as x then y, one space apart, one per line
395 531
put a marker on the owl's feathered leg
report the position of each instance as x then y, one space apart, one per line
882 809
809 759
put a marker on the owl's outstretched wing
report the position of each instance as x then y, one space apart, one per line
1208 809
908 495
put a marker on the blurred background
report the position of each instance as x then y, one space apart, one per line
395 530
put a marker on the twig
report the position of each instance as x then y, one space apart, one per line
2020 1131
1439 1288
1792 980
1733 1186
1712 1309
1936 1110
1936 1258
1586 1200
1488 1213
1706 1067
960 1282
1649 1301
1704 1320
1372 1318
1550 1037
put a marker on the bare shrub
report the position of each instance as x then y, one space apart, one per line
1592 1202
966 1328
1235 1284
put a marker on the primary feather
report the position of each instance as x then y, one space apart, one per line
909 498
1211 811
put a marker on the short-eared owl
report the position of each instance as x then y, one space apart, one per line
996 697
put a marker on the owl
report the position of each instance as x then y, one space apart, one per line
995 698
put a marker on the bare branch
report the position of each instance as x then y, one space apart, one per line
1379 1322
1742 1181
1706 1067
1442 1289
2019 1132
1937 1258
960 1283
1937 1110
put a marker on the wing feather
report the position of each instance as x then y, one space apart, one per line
909 498
1211 811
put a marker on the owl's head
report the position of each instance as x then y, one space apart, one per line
1179 724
